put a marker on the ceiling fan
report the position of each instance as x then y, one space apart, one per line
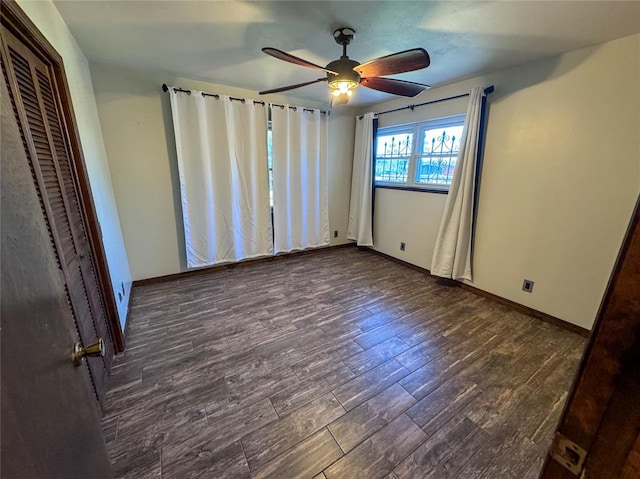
344 75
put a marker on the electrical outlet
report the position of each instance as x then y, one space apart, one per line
335 234
527 286
403 245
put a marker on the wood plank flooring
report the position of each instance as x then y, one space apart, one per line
336 364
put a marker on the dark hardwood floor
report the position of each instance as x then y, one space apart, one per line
336 364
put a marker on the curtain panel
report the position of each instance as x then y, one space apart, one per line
360 226
452 252
300 189
224 186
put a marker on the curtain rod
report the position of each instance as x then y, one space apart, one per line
487 90
165 88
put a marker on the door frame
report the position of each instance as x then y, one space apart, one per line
599 426
16 21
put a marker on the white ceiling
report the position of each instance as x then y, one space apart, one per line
220 41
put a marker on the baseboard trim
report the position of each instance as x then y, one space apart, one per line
269 259
499 299
239 264
126 322
547 318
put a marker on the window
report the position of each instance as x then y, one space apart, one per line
419 155
270 161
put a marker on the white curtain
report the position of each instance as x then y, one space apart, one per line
360 208
452 253
300 189
222 162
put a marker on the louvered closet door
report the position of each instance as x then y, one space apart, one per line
43 133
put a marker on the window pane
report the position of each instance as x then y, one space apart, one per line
392 170
270 162
442 141
270 148
394 146
435 170
440 147
392 157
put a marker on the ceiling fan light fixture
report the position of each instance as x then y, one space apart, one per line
344 75
341 86
346 79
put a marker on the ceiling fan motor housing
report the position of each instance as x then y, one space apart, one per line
345 73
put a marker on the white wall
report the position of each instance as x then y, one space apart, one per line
136 119
342 130
408 217
560 179
45 16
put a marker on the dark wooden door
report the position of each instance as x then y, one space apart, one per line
50 421
36 108
600 427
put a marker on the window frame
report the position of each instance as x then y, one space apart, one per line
417 129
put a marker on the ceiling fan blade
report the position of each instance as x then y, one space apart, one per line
291 87
287 57
395 87
401 62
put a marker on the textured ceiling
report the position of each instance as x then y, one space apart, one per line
220 41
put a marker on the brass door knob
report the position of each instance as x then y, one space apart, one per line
94 350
